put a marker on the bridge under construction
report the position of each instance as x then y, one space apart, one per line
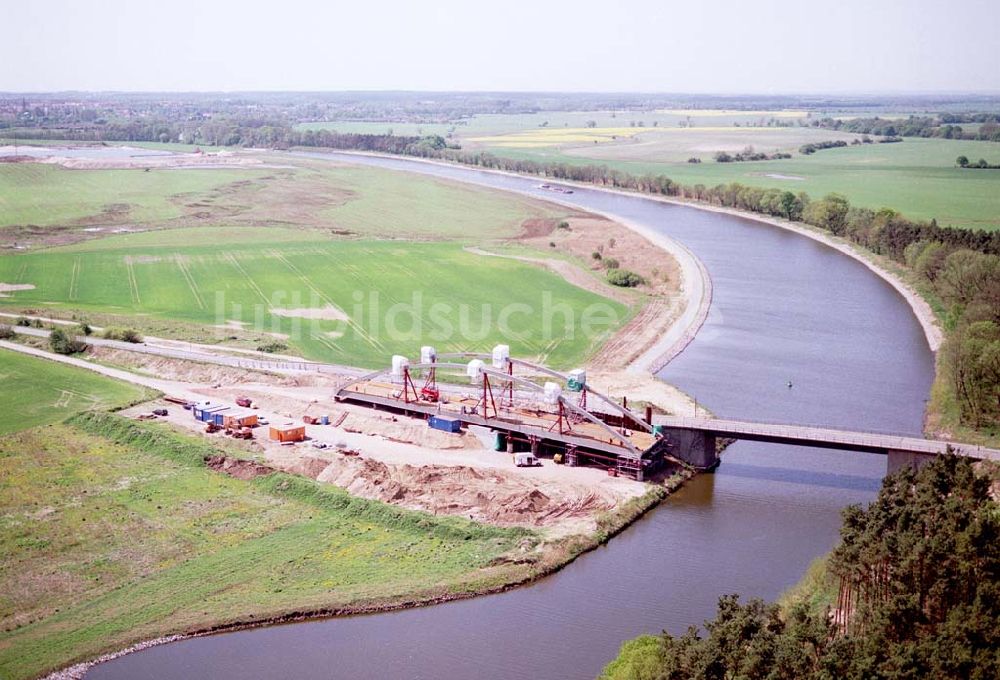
528 406
531 407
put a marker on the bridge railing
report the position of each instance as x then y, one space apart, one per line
827 427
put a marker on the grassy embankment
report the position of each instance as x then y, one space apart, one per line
115 532
166 281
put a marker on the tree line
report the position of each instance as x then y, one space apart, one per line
945 126
748 154
917 577
807 149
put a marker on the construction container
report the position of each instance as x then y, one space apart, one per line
445 424
501 355
499 441
210 413
324 420
287 432
239 419
577 380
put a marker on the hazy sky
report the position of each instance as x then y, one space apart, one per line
625 45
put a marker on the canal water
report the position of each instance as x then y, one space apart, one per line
785 308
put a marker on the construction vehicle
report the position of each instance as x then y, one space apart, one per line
526 460
238 432
245 402
211 427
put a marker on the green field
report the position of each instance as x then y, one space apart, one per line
38 391
369 201
113 532
44 195
451 295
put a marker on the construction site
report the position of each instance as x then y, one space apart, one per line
533 411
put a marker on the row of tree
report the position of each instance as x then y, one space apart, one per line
919 572
807 149
981 164
946 126
748 154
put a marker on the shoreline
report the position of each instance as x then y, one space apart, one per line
921 309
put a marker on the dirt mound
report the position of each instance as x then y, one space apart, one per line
307 466
238 467
492 496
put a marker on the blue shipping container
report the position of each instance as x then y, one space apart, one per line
208 414
445 424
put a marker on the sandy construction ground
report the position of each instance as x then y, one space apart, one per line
448 474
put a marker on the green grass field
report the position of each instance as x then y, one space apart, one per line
112 532
45 195
441 294
369 201
38 392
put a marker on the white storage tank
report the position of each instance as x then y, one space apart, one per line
428 354
501 355
577 380
475 369
399 365
552 393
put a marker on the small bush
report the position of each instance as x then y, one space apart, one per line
624 278
272 347
563 225
596 255
552 244
123 335
611 263
60 343
693 159
6 332
22 321
84 328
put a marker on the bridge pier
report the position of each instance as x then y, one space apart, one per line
897 460
694 447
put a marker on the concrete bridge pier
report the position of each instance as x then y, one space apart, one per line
694 447
897 460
